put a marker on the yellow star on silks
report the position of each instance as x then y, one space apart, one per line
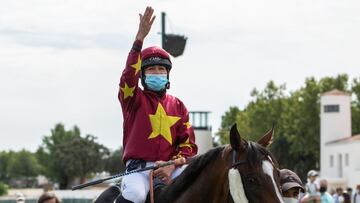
137 65
128 91
187 124
161 123
185 144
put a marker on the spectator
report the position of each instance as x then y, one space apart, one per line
291 186
312 194
349 192
20 198
356 197
347 197
325 197
48 198
338 196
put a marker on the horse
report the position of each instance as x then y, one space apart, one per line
242 172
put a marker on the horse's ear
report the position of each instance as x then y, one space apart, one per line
267 138
235 139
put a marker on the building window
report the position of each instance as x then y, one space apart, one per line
331 108
346 159
331 161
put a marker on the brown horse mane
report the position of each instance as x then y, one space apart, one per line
256 152
189 175
255 155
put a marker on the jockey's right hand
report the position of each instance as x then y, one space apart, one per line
146 21
164 173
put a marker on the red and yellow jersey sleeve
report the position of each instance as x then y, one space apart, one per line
186 137
129 80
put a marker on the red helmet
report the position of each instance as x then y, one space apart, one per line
155 56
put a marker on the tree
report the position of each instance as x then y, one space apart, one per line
66 155
227 121
114 163
21 165
355 107
296 143
339 82
302 128
4 159
267 110
3 189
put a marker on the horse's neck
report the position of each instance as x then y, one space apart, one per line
210 186
204 180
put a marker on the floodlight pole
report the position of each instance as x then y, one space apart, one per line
163 29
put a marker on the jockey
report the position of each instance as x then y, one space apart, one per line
156 124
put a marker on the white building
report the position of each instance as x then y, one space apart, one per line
339 150
203 139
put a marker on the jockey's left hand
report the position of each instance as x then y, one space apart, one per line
164 173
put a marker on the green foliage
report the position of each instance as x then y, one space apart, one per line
355 118
21 165
4 159
296 144
355 108
227 121
114 163
339 82
265 110
3 189
355 88
65 155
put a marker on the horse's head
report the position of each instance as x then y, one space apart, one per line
253 170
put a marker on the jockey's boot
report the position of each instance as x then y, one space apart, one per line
121 199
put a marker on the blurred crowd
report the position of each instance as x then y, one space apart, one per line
315 190
46 197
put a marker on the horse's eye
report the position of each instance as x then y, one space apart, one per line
251 180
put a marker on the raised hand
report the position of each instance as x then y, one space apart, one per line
146 21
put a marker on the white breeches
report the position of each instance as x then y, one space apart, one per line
135 187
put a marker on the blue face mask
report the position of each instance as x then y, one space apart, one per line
156 82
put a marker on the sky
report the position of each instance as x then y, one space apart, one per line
61 60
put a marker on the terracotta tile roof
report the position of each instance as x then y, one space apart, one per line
335 92
346 139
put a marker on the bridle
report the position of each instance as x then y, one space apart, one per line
236 163
239 194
